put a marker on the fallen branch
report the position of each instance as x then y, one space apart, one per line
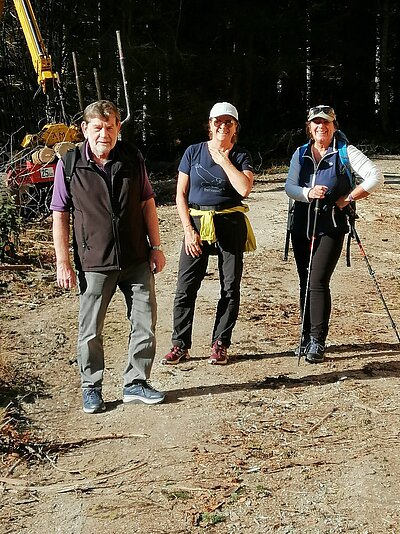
14 466
23 444
319 423
84 485
70 444
8 267
299 464
23 303
186 488
216 506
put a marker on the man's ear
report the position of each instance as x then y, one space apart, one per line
84 129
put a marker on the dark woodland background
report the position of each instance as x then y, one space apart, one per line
271 59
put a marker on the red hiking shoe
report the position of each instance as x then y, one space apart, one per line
219 354
175 355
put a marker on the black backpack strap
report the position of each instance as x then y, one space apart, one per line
352 216
70 159
349 236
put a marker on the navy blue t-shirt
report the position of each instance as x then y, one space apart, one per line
208 182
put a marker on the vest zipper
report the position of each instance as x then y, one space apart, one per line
314 176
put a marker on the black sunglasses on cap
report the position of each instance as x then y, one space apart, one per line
320 111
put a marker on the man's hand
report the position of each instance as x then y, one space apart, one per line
157 261
66 277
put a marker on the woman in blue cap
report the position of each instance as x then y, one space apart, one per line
322 187
214 177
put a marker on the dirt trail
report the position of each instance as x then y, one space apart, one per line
260 445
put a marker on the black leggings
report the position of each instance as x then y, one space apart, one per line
326 253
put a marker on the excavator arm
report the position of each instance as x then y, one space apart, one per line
40 58
53 132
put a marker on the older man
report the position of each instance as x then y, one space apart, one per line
104 186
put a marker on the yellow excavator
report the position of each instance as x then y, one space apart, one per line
31 172
47 79
40 58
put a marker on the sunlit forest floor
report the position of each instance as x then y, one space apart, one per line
264 444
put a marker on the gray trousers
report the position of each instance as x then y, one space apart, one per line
96 291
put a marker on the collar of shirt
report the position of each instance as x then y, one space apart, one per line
105 170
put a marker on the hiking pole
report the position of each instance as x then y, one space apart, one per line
372 273
288 228
313 238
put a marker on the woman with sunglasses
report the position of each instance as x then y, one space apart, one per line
214 177
320 185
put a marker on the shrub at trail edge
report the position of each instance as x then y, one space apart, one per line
10 227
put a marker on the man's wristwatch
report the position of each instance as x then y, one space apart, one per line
156 247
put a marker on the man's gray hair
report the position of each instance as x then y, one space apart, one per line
101 109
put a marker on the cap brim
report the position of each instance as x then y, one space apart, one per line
322 115
222 114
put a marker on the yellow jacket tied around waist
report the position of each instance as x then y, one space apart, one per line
207 228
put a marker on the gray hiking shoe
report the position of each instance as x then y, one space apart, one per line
92 400
301 350
142 392
315 351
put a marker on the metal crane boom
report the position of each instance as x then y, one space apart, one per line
40 58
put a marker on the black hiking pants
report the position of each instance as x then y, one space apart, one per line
231 235
326 253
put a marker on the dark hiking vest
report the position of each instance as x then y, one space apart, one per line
332 173
108 225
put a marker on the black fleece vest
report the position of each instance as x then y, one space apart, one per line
108 225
